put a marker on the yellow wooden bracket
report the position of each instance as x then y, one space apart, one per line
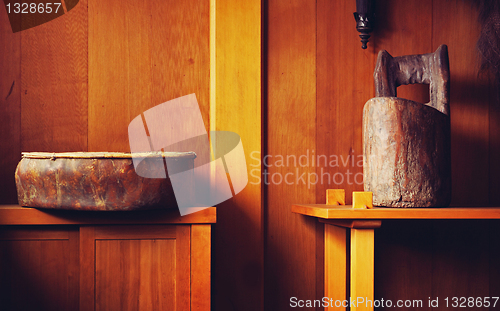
335 197
361 199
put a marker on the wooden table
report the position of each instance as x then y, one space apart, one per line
362 222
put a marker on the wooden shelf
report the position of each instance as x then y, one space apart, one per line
17 215
347 212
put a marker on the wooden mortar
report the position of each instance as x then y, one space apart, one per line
407 157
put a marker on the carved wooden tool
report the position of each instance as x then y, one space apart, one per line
406 143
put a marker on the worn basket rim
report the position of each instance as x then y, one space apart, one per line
107 155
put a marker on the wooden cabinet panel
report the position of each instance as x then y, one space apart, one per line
106 267
136 268
135 275
38 269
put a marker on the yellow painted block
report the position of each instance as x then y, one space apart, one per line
335 197
361 199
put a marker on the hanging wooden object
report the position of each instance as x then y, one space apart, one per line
406 143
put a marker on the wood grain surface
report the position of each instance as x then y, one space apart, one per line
460 261
362 269
469 102
54 84
10 107
138 286
39 258
236 86
348 212
290 244
87 268
316 78
404 260
201 267
336 265
119 42
156 51
16 215
344 84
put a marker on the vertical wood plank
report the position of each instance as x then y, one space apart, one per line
183 268
180 56
236 106
344 84
494 142
74 269
120 81
362 269
335 265
290 244
400 33
87 268
10 108
180 52
137 275
54 84
156 52
461 260
200 267
143 268
469 101
403 261
494 263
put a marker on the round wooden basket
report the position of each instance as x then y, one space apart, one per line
97 181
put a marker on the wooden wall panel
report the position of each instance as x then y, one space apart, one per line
469 102
201 236
403 261
180 52
344 84
494 263
461 260
290 244
400 32
119 70
403 254
38 271
54 84
156 52
412 258
457 264
494 142
10 108
236 87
